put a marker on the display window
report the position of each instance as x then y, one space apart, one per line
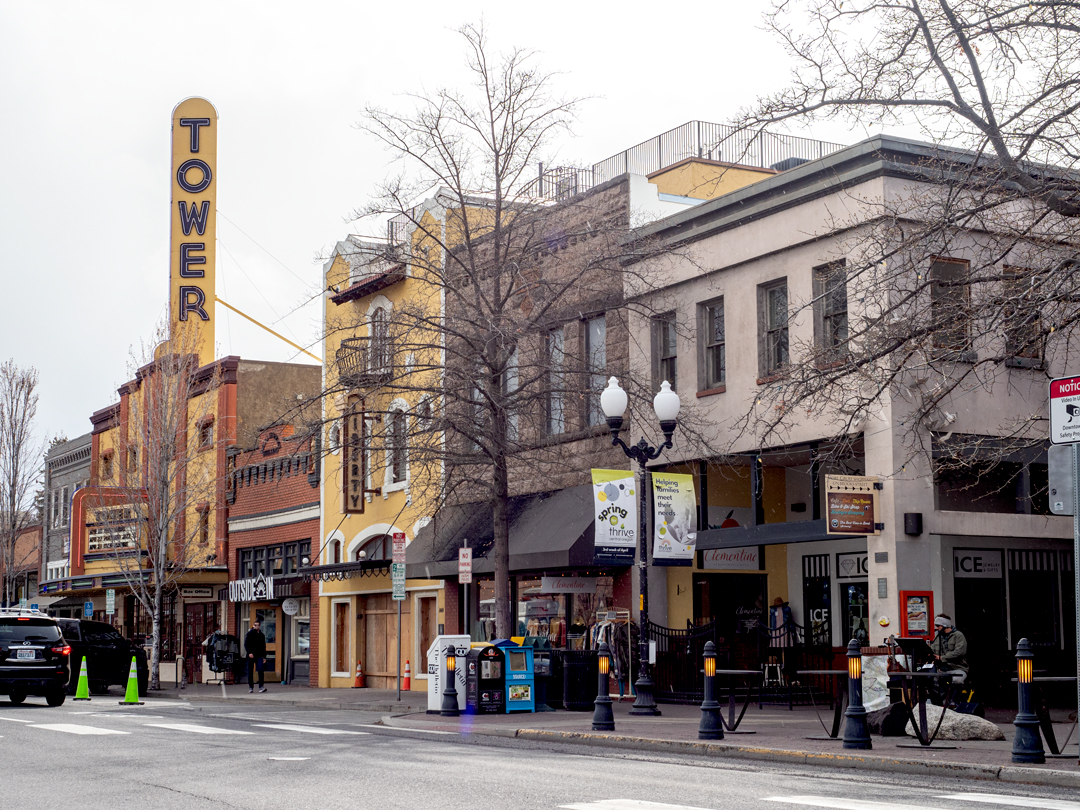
565 610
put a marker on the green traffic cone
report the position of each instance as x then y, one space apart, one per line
131 697
82 692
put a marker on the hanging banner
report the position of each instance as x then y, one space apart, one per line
674 518
615 500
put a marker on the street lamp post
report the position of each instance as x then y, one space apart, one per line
666 405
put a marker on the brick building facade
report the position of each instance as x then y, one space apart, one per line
273 495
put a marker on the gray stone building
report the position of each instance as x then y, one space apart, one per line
67 468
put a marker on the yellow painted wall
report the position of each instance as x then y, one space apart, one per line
730 486
705 179
774 480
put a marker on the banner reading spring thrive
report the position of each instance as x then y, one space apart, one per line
674 517
615 499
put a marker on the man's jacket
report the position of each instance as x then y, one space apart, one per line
952 648
255 643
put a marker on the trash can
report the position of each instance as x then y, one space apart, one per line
580 674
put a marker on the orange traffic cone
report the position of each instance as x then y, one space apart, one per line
406 683
359 682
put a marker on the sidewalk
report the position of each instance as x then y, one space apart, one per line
780 734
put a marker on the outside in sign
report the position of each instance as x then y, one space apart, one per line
1065 410
851 504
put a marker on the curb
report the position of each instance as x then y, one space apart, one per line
318 704
996 773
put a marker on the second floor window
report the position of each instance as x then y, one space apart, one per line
715 347
555 422
397 451
949 300
774 327
1023 325
509 388
595 367
830 310
380 340
665 350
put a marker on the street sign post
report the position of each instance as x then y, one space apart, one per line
1065 429
88 610
464 566
110 601
397 578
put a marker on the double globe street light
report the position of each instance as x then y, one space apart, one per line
666 405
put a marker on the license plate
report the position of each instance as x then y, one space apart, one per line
26 655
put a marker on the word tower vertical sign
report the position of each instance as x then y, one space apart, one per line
194 223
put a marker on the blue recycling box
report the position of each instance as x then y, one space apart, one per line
520 678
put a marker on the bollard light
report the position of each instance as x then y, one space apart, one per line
710 727
856 729
1027 744
603 719
450 706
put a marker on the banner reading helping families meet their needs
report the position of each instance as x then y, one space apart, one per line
615 500
674 518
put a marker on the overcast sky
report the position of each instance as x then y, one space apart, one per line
86 95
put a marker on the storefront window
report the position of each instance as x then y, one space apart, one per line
274 561
854 604
301 637
565 610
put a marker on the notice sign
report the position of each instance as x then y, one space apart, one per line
399 547
1065 410
851 504
615 501
464 566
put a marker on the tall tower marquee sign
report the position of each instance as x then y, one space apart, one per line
193 257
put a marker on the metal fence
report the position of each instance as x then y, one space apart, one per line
678 675
694 139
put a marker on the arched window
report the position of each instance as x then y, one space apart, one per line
377 548
380 341
397 448
337 551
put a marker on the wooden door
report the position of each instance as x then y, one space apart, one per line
378 639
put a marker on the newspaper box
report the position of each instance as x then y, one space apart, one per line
436 670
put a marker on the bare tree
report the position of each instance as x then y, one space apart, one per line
20 468
487 350
967 280
159 484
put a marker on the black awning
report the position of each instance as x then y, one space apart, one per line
550 530
767 534
347 570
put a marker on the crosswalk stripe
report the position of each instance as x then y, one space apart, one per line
73 728
627 804
847 804
305 729
1015 801
195 729
403 728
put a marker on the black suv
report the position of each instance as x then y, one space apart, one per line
108 656
34 658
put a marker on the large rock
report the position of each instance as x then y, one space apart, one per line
957 726
888 722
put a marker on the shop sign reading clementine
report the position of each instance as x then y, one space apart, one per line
1065 410
851 504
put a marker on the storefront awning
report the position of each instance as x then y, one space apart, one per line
550 530
346 570
768 534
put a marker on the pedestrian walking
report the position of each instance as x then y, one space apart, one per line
255 650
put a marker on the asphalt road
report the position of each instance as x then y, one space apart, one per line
166 754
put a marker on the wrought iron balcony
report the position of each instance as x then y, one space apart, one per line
362 363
